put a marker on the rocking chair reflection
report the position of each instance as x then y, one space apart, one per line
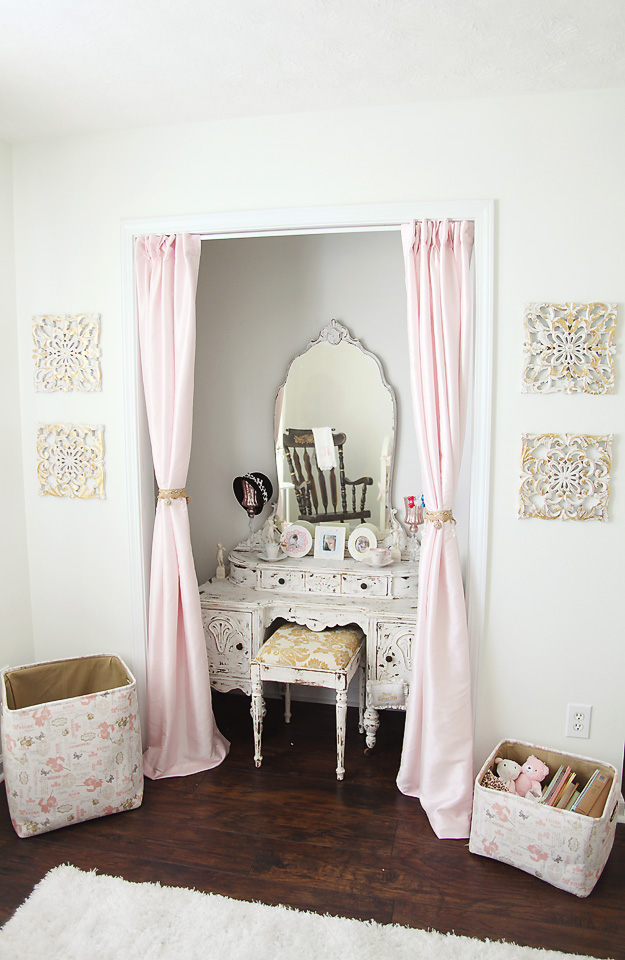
320 497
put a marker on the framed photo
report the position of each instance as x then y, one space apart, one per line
361 542
329 543
296 540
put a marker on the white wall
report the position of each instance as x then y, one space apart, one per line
16 640
555 607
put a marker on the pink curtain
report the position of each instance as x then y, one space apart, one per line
437 755
181 734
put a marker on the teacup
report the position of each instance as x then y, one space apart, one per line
379 556
272 550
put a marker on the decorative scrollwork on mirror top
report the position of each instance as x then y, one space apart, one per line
334 431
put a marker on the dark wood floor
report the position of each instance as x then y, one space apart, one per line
289 833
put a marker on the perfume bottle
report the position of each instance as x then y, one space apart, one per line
413 519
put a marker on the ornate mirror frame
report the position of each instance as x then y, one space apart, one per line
334 334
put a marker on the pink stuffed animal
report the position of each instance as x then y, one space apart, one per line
527 784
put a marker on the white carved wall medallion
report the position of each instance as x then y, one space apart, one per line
565 477
66 352
70 461
569 348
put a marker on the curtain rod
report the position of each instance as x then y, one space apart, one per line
300 231
308 231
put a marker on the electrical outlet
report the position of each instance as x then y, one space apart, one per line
578 720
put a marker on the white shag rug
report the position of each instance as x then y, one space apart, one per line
73 915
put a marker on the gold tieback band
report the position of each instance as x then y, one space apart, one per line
169 495
438 517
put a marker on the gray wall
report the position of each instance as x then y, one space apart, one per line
260 301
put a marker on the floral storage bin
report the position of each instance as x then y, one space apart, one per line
567 849
71 742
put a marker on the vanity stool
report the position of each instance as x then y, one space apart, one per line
325 658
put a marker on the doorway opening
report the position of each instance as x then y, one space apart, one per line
315 224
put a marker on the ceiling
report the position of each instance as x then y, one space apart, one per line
77 66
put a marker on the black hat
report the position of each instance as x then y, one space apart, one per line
253 491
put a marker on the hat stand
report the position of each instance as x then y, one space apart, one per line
253 491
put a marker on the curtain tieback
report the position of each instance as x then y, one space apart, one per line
438 517
169 495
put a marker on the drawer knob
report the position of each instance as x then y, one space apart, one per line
281 581
389 658
363 586
239 646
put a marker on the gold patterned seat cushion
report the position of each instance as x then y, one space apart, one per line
295 646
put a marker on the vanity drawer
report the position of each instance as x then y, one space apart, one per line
354 586
242 575
393 650
287 581
323 583
405 586
228 637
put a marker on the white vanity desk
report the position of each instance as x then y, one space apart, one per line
237 614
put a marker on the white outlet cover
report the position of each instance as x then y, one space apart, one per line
578 717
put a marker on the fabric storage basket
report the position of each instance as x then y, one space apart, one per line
567 849
71 742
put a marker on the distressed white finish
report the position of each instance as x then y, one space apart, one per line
238 612
569 348
70 460
393 649
329 675
67 353
233 58
228 643
306 575
565 477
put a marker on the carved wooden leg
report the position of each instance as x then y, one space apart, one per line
258 712
372 722
341 718
361 696
287 702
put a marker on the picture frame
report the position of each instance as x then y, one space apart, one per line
297 539
329 543
361 542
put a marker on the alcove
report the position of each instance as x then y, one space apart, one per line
259 303
242 361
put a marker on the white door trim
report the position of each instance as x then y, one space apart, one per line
297 221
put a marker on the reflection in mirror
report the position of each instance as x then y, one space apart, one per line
334 434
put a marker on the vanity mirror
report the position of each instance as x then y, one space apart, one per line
334 430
